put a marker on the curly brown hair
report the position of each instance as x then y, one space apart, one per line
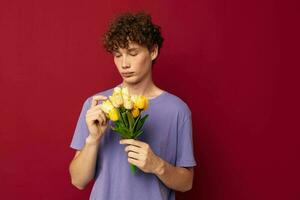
132 27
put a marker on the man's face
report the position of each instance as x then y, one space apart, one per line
134 64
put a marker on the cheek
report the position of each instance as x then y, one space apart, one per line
142 63
117 63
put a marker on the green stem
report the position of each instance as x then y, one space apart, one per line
133 168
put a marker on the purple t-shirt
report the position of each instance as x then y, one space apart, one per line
168 131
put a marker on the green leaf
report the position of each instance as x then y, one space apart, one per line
120 116
130 120
138 134
117 124
125 120
141 122
124 132
135 123
121 124
122 109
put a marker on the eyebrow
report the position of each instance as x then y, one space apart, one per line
130 49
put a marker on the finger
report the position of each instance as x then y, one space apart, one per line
96 115
102 119
100 115
103 114
97 107
133 142
91 111
133 155
91 120
96 98
133 148
134 162
92 117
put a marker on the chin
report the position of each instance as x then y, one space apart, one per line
131 80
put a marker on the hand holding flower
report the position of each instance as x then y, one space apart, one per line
141 155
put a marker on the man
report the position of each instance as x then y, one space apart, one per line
163 153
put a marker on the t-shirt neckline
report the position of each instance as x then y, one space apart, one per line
158 97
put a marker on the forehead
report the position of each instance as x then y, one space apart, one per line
131 47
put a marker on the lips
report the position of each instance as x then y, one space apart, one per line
127 74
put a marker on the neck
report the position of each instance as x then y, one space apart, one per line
144 87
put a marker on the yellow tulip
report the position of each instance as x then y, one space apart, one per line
117 90
119 99
125 91
141 102
134 98
135 112
128 104
113 114
116 100
106 106
146 104
113 101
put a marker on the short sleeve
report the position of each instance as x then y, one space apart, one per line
185 154
81 130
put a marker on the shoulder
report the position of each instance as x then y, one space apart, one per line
177 104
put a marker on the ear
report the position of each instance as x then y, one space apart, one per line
154 52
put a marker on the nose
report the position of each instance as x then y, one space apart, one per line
125 63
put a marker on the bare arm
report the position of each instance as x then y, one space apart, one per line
82 167
176 178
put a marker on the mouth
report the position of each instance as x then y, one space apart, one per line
127 74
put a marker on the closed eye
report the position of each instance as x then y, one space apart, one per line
134 54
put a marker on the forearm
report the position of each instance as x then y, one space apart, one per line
82 168
176 178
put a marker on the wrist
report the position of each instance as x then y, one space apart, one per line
160 168
91 140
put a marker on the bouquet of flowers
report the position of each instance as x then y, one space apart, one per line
125 111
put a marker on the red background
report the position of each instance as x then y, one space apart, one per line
234 62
